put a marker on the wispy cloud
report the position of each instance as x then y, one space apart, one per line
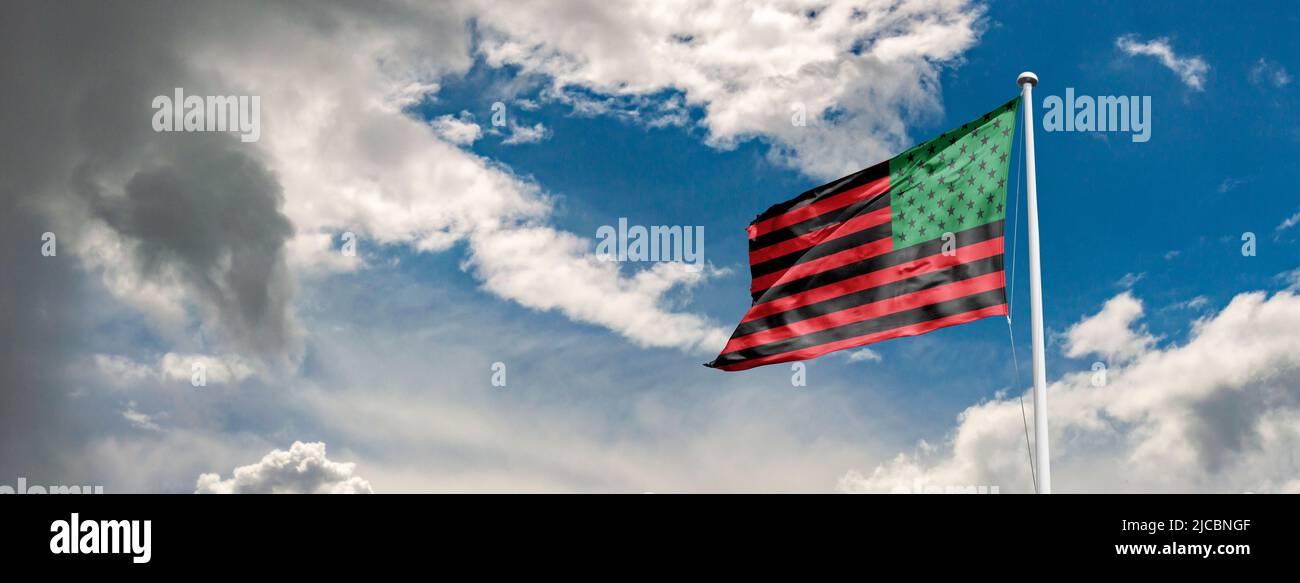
1191 70
1289 222
1266 71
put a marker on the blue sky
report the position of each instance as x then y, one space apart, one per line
475 246
1171 210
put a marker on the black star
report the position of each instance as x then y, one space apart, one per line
952 211
1003 157
970 181
992 174
989 198
984 141
963 147
939 203
994 148
1006 132
970 204
997 123
972 156
911 201
961 196
1002 183
951 164
909 156
961 171
943 225
950 187
961 220
941 158
982 164
981 189
980 213
999 207
902 236
931 149
941 181
931 217
930 195
911 223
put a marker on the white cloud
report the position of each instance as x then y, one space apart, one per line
865 354
303 469
1289 222
521 134
460 130
861 73
1109 333
349 160
1195 303
139 419
122 372
1131 279
1266 71
1191 70
1219 413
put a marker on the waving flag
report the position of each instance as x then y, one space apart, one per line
904 247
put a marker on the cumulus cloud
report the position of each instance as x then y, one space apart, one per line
1109 333
457 130
1191 70
858 73
303 469
1219 413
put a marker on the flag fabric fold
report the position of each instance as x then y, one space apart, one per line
910 245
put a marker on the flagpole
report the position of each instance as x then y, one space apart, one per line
1027 81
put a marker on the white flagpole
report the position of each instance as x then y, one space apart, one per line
1027 81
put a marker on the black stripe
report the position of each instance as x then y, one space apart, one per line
953 307
804 227
829 189
959 272
932 247
784 262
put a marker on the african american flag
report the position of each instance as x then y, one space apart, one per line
904 247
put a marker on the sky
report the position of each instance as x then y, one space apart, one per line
474 342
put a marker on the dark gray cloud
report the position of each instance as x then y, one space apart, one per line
213 214
79 78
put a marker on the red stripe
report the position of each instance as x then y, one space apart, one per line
925 297
827 233
892 274
845 257
913 330
820 207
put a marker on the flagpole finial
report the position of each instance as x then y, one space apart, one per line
1027 77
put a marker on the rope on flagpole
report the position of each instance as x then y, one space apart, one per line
1011 334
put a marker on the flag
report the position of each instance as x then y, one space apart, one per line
904 247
